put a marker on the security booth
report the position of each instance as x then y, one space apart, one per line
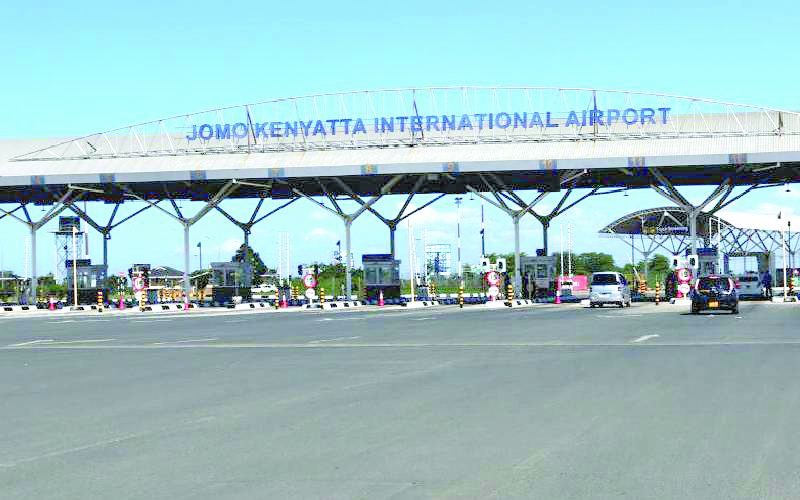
541 274
381 274
231 279
90 279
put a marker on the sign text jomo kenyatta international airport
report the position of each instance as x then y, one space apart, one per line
428 123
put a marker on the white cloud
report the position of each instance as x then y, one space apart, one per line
319 215
230 245
320 233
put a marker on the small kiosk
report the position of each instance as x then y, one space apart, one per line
231 279
381 274
90 279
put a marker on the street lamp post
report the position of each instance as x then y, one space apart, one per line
458 217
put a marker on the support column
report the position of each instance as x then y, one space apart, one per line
692 212
106 237
186 286
246 231
517 280
392 229
34 281
349 284
545 225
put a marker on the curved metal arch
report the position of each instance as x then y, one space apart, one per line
165 136
704 218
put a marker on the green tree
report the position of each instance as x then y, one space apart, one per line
246 254
594 262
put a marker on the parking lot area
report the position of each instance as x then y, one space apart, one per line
539 402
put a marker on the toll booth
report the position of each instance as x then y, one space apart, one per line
90 279
231 279
540 271
381 273
707 261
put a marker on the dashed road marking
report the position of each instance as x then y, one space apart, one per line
30 342
184 341
646 337
333 340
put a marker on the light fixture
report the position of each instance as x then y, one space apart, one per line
786 185
626 191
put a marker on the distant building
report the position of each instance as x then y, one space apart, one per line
438 259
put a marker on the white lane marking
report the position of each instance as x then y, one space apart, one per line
236 320
149 320
423 319
30 342
340 319
333 340
79 341
62 321
646 337
182 341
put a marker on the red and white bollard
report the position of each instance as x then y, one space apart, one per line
380 299
185 303
558 294
284 304
52 306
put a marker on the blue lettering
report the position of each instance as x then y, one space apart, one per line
223 132
502 120
416 124
261 130
305 127
572 119
274 129
194 133
480 117
521 120
402 120
583 121
596 116
628 112
465 123
431 121
210 130
664 112
536 119
612 115
548 121
387 124
319 129
242 127
376 125
648 113
290 127
491 121
333 126
346 122
359 126
448 122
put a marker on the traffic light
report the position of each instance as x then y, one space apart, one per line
299 269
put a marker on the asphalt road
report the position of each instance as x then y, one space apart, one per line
546 402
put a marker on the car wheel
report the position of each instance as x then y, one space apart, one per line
621 305
735 310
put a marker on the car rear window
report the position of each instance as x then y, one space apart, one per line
720 283
604 279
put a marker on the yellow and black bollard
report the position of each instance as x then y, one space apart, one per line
509 293
321 295
99 301
461 295
658 292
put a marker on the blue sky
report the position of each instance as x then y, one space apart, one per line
73 70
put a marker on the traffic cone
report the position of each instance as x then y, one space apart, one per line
283 301
52 306
558 296
380 299
185 303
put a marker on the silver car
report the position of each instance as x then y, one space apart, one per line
609 288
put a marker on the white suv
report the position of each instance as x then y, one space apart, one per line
609 288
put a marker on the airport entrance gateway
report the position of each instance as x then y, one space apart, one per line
512 147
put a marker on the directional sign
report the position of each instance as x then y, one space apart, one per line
309 281
493 291
492 278
684 288
310 293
